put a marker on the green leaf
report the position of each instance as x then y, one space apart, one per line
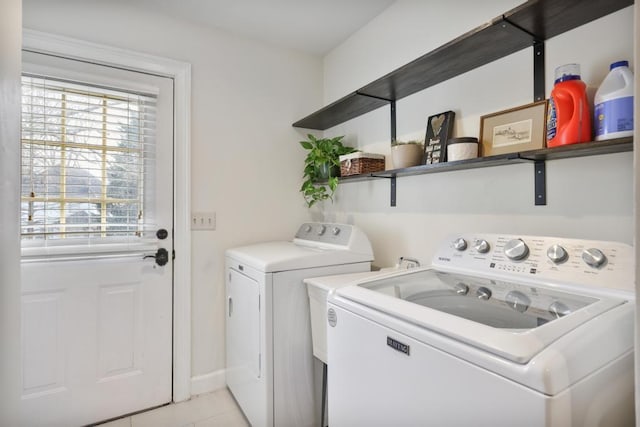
322 151
333 184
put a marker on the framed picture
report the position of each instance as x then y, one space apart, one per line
514 130
439 129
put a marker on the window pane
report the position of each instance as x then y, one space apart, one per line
122 216
83 160
40 170
83 173
123 172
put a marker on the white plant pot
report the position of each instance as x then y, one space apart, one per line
406 155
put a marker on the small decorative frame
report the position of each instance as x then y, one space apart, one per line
514 130
439 130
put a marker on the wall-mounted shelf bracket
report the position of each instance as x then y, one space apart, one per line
540 182
538 62
392 111
392 104
392 182
539 92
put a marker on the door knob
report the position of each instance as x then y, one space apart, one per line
161 256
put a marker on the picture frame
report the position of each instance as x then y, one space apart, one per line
514 130
439 130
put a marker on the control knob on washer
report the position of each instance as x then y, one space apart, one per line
518 301
559 309
594 257
557 254
321 230
460 244
482 246
483 293
516 249
461 288
335 231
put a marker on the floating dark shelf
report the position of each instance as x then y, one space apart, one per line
549 18
471 50
580 150
538 157
481 162
347 108
535 20
574 150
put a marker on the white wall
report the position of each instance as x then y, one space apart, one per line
586 197
246 162
10 41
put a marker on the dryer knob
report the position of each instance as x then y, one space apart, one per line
557 254
483 293
594 257
516 249
321 230
482 246
308 229
460 244
335 231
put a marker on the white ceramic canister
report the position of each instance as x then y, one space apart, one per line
462 148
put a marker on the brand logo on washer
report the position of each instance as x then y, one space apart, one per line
398 346
332 317
441 258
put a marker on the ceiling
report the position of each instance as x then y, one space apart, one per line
313 26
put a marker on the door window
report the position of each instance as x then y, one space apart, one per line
87 153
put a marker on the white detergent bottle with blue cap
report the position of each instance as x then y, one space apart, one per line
613 110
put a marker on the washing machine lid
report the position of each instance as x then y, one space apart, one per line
272 257
512 320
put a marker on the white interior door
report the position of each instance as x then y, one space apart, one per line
97 314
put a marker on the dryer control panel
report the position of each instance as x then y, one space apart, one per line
597 264
337 234
333 236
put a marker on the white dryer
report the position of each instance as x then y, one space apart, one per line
270 365
500 331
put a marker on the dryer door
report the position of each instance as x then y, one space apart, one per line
243 329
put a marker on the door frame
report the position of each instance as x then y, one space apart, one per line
180 72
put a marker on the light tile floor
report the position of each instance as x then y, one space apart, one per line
216 409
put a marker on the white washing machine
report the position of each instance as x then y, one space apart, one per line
270 365
499 331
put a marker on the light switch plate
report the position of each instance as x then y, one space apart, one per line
203 221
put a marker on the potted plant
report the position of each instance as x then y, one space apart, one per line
406 154
322 167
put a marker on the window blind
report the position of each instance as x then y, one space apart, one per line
87 162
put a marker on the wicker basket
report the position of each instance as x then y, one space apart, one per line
359 163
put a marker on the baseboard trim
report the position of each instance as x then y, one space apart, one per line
208 382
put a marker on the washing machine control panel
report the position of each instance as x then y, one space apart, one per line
574 261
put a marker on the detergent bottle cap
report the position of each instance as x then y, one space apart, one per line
567 72
619 64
